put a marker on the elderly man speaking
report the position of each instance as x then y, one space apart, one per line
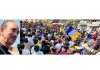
8 34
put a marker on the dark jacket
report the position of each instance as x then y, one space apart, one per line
4 50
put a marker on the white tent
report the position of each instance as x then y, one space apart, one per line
94 24
81 23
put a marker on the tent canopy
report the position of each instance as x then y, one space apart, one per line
58 24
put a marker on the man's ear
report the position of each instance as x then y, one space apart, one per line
1 29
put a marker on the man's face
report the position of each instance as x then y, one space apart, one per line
10 33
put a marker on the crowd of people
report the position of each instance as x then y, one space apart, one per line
40 39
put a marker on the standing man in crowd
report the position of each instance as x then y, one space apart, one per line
8 34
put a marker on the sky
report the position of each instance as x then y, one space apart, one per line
18 38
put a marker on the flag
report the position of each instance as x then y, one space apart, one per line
74 37
42 35
69 29
61 29
89 37
78 34
74 34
